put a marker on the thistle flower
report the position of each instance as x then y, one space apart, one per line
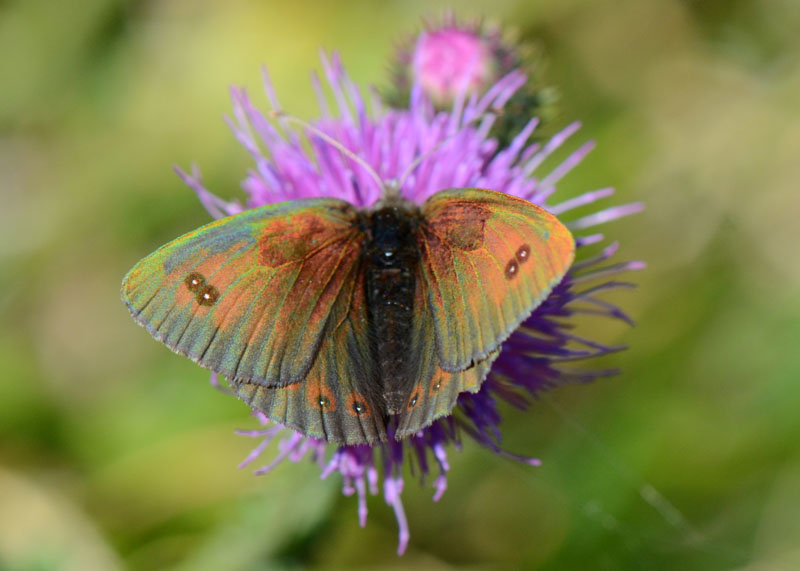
389 140
451 58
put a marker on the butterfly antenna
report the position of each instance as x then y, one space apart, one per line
416 162
275 114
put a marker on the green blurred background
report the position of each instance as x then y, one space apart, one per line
116 454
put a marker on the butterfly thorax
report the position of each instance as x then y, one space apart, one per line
390 260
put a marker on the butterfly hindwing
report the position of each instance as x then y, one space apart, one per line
249 296
332 403
435 393
488 259
437 397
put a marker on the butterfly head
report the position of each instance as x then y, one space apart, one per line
392 197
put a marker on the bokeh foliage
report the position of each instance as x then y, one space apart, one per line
115 454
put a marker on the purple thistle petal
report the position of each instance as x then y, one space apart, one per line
581 200
604 216
392 488
269 89
552 145
607 252
568 164
285 449
606 308
582 241
322 103
256 451
441 487
215 206
334 74
609 271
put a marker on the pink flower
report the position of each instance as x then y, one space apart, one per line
450 61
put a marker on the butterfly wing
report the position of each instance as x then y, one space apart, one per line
488 259
249 296
333 403
437 390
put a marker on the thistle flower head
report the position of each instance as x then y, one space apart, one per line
457 150
448 59
451 59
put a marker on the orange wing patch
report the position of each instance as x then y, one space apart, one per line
320 396
415 397
358 406
438 382
463 225
283 241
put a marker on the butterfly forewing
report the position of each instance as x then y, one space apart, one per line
488 260
249 296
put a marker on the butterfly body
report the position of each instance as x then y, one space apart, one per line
350 325
390 264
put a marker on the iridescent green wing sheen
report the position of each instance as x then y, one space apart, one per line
436 391
249 296
328 404
488 259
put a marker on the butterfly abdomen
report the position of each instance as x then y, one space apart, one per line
390 257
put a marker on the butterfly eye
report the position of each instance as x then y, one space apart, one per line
388 257
324 402
512 269
194 282
359 407
208 295
523 253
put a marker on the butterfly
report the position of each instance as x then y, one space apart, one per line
352 325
